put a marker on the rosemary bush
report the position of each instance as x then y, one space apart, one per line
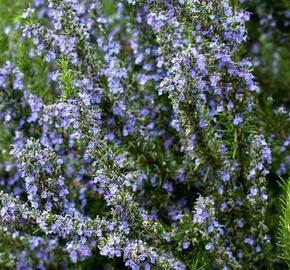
144 134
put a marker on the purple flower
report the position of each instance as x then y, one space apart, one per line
209 246
238 119
249 240
185 244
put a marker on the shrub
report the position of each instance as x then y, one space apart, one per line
135 135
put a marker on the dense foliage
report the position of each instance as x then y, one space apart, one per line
144 134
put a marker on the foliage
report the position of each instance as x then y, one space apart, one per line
284 221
